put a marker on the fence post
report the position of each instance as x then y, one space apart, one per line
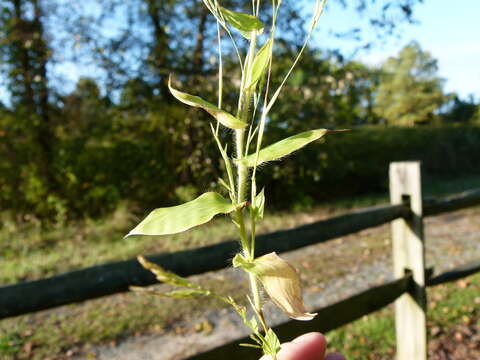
409 256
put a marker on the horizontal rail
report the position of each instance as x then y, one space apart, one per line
452 203
343 312
328 318
116 277
455 274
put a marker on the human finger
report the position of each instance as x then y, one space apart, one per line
310 346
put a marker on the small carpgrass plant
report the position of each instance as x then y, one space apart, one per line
278 278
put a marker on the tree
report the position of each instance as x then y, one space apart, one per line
129 47
85 113
410 92
461 111
25 56
327 91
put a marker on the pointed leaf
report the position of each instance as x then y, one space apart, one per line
182 293
259 204
271 345
223 117
186 293
240 261
252 324
241 310
166 276
257 338
176 219
284 147
260 63
242 21
250 345
224 184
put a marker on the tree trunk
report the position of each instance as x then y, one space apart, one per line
45 135
160 47
19 55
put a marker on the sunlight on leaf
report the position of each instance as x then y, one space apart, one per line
242 21
259 204
260 63
179 294
226 119
176 219
284 147
271 345
166 276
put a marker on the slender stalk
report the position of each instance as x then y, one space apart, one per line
220 74
242 175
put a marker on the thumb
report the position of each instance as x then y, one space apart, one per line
309 346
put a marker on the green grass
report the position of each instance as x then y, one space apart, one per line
373 336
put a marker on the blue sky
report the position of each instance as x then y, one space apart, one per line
449 30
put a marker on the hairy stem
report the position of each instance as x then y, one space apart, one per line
257 301
244 107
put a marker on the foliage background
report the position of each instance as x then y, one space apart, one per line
117 134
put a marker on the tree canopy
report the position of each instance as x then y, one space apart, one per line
410 91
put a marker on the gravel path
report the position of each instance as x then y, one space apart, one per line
331 271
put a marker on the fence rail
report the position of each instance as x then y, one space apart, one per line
328 318
116 277
455 274
340 313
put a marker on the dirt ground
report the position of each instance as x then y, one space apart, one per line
461 342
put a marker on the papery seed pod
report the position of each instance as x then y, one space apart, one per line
282 283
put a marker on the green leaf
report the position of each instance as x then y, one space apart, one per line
240 261
250 345
181 294
260 63
246 23
176 219
258 338
259 204
271 345
166 276
252 324
223 117
284 147
241 310
186 293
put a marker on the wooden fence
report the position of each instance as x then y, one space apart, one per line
406 212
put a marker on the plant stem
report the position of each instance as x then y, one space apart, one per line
249 251
243 232
242 170
257 301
